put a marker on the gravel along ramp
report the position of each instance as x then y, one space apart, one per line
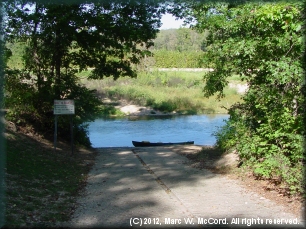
153 187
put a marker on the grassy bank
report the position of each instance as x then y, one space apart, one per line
42 185
181 92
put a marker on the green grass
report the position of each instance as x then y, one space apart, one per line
17 49
181 92
42 185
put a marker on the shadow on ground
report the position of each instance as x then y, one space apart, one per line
154 186
120 187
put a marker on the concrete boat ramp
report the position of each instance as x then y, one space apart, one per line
154 187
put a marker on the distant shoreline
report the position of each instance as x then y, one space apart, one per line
184 69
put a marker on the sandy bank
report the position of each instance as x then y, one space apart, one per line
130 109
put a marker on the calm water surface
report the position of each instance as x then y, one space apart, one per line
114 132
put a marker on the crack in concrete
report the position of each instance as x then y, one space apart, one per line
162 184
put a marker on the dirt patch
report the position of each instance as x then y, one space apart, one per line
208 157
136 110
131 109
241 88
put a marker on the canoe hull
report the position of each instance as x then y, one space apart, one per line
146 144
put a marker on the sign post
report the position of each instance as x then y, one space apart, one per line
55 132
63 107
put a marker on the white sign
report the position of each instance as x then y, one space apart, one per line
62 107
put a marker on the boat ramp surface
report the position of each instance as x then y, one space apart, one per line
154 187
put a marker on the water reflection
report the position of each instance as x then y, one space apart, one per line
116 132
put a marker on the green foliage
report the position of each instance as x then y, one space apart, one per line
56 41
263 44
176 48
177 59
164 91
181 40
28 105
14 53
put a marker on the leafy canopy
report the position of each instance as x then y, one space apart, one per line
263 43
101 35
62 39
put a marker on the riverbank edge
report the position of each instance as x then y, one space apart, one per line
130 108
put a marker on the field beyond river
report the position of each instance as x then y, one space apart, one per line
162 92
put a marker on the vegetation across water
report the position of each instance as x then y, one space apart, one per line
166 91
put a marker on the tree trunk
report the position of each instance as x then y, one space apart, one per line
58 63
37 62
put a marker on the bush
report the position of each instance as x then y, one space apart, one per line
29 106
272 151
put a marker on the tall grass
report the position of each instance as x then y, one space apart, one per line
180 92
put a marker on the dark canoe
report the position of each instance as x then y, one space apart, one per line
145 143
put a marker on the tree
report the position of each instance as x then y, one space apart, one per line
263 43
62 39
2 142
182 39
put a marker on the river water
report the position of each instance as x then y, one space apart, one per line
120 132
